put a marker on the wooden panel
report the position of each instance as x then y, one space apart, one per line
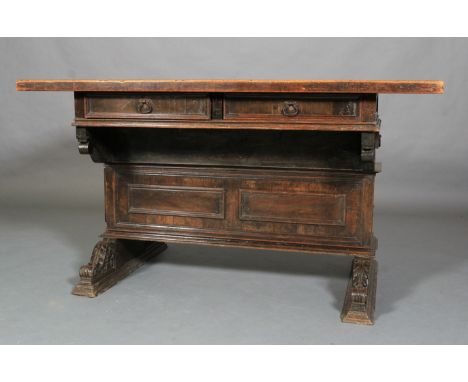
237 86
283 208
176 201
148 106
168 200
290 207
317 206
290 108
322 125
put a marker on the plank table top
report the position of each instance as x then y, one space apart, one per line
237 86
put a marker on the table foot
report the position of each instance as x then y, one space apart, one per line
111 261
359 302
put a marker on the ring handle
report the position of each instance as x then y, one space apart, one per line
290 108
145 106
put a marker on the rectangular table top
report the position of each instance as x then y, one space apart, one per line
236 86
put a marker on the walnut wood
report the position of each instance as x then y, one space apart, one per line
239 86
279 165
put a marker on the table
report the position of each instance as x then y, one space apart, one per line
280 165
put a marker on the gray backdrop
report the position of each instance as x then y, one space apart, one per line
51 202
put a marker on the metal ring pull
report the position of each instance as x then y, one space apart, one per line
145 106
290 108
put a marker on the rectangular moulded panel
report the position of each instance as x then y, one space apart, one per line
287 207
176 201
318 206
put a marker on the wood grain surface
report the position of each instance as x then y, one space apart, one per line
236 86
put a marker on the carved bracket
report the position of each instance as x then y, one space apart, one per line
111 261
360 296
103 260
369 142
82 137
360 281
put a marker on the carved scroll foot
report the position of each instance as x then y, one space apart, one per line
111 261
359 302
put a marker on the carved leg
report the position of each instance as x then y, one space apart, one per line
111 261
359 302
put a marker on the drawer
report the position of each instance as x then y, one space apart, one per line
291 107
279 206
148 106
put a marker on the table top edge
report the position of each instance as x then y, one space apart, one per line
236 86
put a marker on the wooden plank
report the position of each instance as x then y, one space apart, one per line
324 126
236 86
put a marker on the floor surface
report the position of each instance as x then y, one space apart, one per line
210 295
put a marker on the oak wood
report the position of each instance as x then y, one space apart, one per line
240 86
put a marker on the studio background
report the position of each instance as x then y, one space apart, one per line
51 201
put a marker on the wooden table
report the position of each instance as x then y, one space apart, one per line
284 165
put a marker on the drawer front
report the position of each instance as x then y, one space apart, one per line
244 204
290 107
149 106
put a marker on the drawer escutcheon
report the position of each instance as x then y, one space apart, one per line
144 106
290 108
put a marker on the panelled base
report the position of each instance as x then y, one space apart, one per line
312 211
316 211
